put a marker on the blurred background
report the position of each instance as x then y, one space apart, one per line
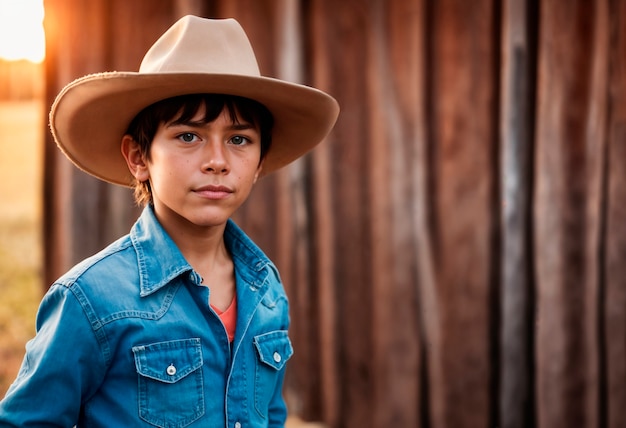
22 129
454 252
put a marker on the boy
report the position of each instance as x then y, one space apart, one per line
184 321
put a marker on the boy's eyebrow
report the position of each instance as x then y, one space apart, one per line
241 126
238 126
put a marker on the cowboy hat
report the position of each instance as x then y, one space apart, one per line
90 115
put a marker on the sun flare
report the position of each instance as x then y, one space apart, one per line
21 30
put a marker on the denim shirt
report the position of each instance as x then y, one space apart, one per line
127 339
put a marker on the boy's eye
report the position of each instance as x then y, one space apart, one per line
187 137
238 140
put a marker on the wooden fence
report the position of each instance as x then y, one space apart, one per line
455 252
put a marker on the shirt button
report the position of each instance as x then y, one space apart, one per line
171 370
277 357
237 425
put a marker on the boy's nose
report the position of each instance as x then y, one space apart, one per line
215 158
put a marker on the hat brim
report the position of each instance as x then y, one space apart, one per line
90 115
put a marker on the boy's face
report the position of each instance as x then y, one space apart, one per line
200 173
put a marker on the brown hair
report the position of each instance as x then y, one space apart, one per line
144 126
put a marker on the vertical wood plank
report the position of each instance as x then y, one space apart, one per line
394 53
613 397
463 100
345 43
516 124
70 196
305 393
324 228
570 142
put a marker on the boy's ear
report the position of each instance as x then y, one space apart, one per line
134 158
258 170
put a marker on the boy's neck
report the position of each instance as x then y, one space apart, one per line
205 250
217 270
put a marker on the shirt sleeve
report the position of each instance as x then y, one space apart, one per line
63 366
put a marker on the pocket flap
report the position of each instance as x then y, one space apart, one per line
168 361
274 348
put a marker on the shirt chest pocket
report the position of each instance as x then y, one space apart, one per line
170 382
273 351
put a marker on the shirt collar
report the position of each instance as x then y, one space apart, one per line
160 261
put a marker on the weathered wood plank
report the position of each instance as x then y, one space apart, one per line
571 143
395 50
344 45
613 396
515 403
462 130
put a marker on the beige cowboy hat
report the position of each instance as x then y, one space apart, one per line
196 55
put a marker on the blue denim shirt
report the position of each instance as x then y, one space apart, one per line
127 339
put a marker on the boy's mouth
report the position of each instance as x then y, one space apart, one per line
214 191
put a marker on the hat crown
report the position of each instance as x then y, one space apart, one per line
197 45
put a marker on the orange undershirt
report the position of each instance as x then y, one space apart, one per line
229 318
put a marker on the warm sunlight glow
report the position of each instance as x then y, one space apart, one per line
21 30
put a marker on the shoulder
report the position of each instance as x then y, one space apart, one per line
104 281
120 255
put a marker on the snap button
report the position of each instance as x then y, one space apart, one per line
277 357
195 278
237 425
171 370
